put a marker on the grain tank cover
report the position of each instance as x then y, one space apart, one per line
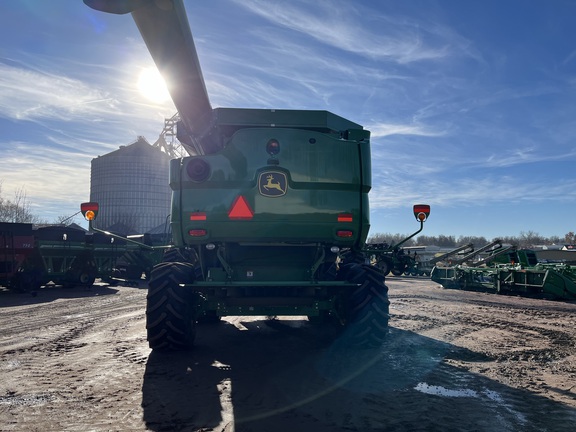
321 121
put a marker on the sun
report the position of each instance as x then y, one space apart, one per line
152 85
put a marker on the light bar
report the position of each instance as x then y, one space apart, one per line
345 217
198 216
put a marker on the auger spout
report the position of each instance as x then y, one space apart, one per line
164 27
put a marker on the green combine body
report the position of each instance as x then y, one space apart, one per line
270 211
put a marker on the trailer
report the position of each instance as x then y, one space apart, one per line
31 257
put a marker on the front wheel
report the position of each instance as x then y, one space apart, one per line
170 318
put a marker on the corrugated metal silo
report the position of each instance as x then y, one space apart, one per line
131 186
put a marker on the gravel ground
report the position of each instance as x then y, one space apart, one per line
78 360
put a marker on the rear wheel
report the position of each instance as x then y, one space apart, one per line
170 318
368 306
385 266
87 277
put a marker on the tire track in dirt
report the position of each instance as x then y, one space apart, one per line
75 354
454 361
518 341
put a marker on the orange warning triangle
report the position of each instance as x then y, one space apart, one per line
240 209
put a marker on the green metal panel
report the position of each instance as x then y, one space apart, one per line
322 177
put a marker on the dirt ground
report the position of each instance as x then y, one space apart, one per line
78 360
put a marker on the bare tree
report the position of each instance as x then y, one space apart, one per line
18 209
475 240
391 239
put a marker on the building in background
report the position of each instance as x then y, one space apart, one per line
131 186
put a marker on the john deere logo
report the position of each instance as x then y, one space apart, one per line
272 183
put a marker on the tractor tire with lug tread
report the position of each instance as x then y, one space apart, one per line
368 312
170 320
178 255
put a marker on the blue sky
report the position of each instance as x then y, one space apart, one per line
471 104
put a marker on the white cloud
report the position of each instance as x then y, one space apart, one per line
468 192
387 129
342 26
29 95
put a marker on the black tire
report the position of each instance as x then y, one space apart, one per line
87 278
368 306
385 266
209 317
177 255
26 281
133 272
170 320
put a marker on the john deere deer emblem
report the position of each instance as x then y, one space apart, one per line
272 183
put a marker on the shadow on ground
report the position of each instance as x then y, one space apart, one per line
290 376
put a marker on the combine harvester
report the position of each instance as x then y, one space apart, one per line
270 211
507 270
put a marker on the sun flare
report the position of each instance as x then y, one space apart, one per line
152 85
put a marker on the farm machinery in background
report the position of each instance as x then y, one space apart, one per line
393 258
507 270
31 257
270 211
423 266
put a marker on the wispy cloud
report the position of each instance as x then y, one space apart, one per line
46 173
342 25
468 192
29 95
387 129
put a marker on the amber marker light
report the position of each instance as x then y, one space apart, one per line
421 212
89 210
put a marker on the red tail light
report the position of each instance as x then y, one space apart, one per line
345 217
198 216
344 233
197 232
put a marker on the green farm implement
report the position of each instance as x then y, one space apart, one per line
506 270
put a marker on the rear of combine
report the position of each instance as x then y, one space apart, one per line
260 228
270 211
